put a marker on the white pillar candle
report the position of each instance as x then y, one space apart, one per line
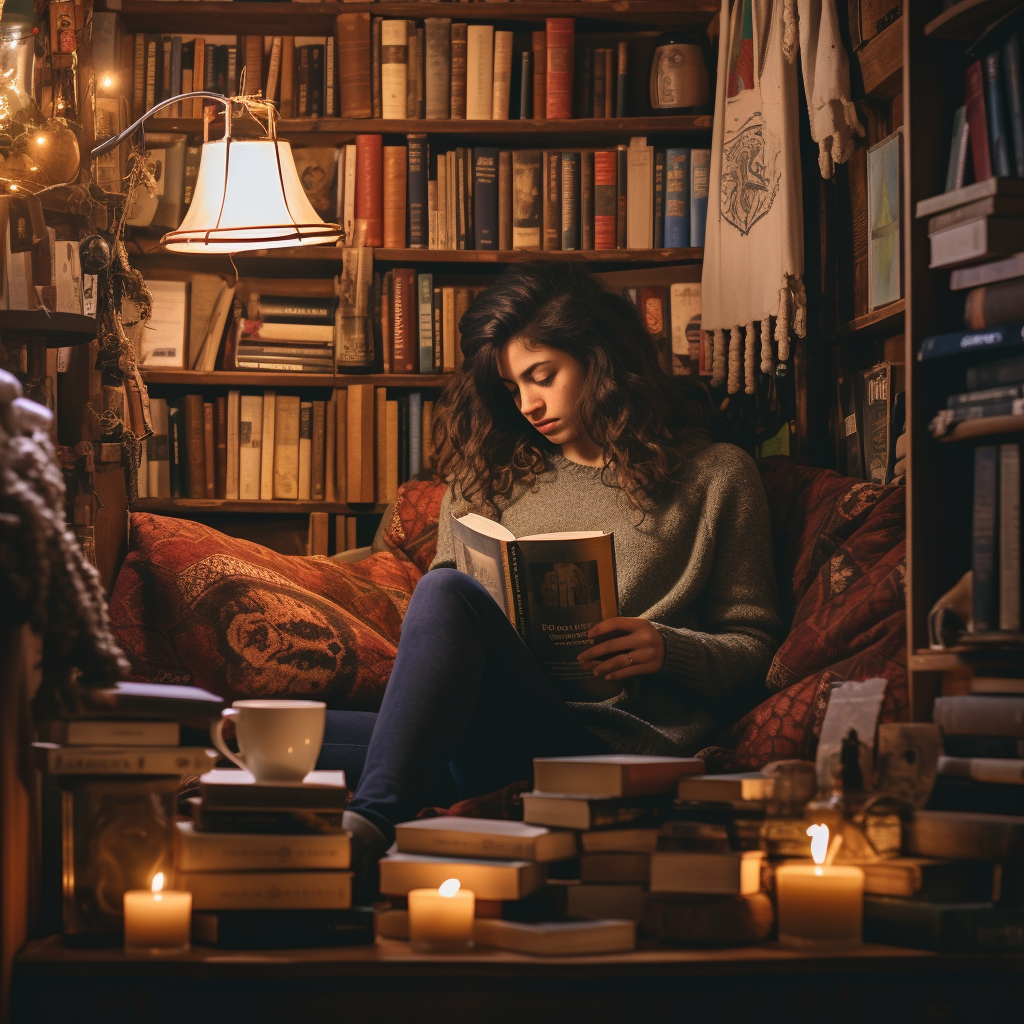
157 921
820 905
441 920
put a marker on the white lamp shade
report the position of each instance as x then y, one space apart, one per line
239 202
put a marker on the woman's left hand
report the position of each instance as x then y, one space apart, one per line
637 649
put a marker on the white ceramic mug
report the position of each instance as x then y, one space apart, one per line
278 740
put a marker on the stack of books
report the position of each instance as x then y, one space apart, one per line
286 334
114 770
268 863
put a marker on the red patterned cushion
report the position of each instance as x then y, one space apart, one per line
413 526
840 563
194 606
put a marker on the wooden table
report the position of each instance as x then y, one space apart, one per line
388 982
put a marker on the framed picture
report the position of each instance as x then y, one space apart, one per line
885 204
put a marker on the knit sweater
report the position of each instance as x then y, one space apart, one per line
698 566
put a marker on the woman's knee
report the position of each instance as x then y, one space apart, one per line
447 590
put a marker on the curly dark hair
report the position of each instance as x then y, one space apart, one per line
642 417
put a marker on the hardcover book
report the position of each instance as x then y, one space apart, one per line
215 851
552 587
612 775
489 879
484 837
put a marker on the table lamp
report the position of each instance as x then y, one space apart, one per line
247 195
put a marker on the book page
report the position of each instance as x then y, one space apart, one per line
479 555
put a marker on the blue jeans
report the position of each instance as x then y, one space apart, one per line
466 710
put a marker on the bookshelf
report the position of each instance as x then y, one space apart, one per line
940 482
639 21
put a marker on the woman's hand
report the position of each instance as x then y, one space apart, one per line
636 648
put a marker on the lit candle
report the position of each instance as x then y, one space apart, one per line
820 905
157 921
441 920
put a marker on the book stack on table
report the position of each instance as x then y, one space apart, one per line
114 770
268 863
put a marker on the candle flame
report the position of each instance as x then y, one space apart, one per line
449 887
158 881
819 842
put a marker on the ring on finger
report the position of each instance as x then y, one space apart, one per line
630 656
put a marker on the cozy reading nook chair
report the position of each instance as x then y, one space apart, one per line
191 605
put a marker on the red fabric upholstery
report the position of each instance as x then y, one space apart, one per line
192 605
840 565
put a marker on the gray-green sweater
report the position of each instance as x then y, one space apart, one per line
699 567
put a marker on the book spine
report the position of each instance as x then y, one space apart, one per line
157 450
352 43
286 447
425 321
419 159
587 199
622 65
288 76
375 83
369 203
438 313
302 90
387 304
974 100
677 198
139 77
269 443
1004 336
622 170
438 68
175 76
192 158
389 452
525 85
700 173
998 134
539 49
318 458
659 198
221 457
233 416
605 199
993 304
1015 97
305 468
394 69
403 444
282 309
154 55
274 69
330 74
462 208
560 33
415 433
583 80
127 761
406 349
609 77
395 159
195 446
479 72
552 200
256 890
485 198
459 45
599 84
448 331
505 199
1009 538
316 81
984 537
230 59
570 195
500 98
252 47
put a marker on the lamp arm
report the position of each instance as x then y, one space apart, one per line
112 143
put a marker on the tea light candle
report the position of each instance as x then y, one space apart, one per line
821 906
157 921
441 920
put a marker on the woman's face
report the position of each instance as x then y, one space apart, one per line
545 384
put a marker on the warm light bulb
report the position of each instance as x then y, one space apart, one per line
107 81
449 887
158 881
40 140
819 842
14 188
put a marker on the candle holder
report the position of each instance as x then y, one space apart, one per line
441 920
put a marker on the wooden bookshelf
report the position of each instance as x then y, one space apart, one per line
628 256
224 505
966 19
881 62
987 426
888 319
163 375
61 330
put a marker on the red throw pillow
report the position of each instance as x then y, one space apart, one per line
194 606
412 529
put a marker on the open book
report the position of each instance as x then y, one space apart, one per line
553 587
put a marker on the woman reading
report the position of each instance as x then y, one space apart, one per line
561 419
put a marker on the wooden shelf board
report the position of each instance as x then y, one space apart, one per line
881 61
258 378
318 19
579 128
876 322
223 505
519 255
965 20
988 426
61 329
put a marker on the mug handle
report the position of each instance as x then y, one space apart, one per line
217 736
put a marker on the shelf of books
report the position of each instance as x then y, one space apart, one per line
429 132
965 322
